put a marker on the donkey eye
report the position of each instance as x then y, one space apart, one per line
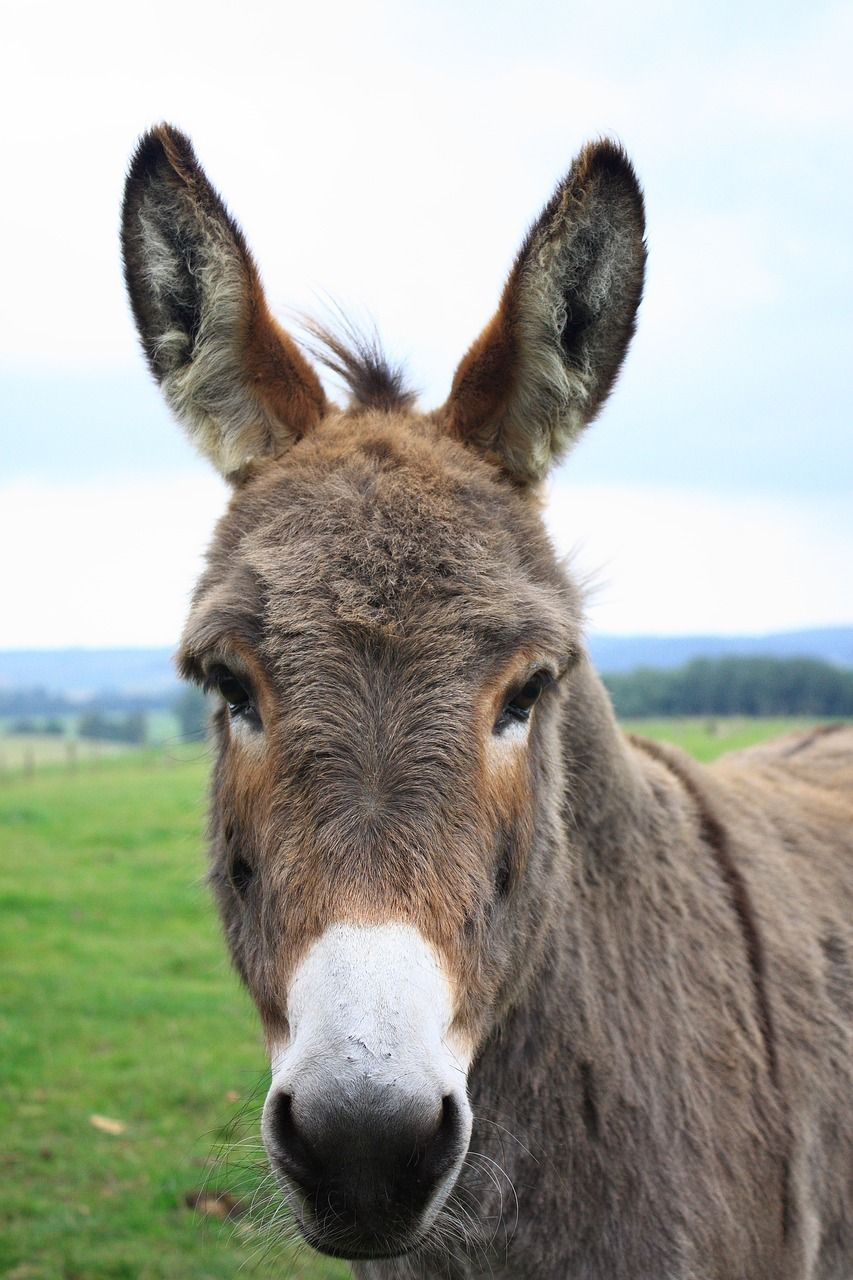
233 692
241 875
517 708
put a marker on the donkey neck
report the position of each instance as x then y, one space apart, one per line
607 791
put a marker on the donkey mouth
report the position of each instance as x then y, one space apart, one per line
363 1250
356 1238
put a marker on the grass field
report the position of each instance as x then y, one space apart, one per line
25 752
128 1046
707 737
117 1003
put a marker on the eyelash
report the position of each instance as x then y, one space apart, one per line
518 706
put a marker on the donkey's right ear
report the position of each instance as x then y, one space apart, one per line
234 379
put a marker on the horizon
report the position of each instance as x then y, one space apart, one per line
86 673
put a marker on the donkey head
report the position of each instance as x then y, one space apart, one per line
392 637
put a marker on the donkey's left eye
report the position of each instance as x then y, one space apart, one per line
518 706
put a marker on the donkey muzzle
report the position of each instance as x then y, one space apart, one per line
367 1120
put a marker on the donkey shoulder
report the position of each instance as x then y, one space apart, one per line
825 748
809 772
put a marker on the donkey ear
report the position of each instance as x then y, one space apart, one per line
543 367
231 375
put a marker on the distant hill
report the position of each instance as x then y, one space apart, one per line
614 654
83 673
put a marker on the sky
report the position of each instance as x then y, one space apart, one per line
390 156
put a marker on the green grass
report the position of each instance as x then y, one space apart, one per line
116 1000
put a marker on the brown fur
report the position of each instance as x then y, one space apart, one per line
651 959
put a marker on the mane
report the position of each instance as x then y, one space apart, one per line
357 358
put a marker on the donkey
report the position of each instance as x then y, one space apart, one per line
541 1001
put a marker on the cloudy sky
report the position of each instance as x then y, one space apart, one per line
391 155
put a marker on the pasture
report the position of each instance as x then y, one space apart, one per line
131 1057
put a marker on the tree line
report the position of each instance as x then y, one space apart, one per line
99 726
104 719
746 686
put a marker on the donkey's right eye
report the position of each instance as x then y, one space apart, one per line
234 693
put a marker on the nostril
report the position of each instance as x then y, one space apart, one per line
452 1127
451 1113
441 1151
282 1118
283 1115
291 1149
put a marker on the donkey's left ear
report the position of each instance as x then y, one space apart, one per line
235 380
543 367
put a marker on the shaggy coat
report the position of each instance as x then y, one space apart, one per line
649 960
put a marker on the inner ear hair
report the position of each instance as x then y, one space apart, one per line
545 364
235 380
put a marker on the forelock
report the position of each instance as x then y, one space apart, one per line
358 359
